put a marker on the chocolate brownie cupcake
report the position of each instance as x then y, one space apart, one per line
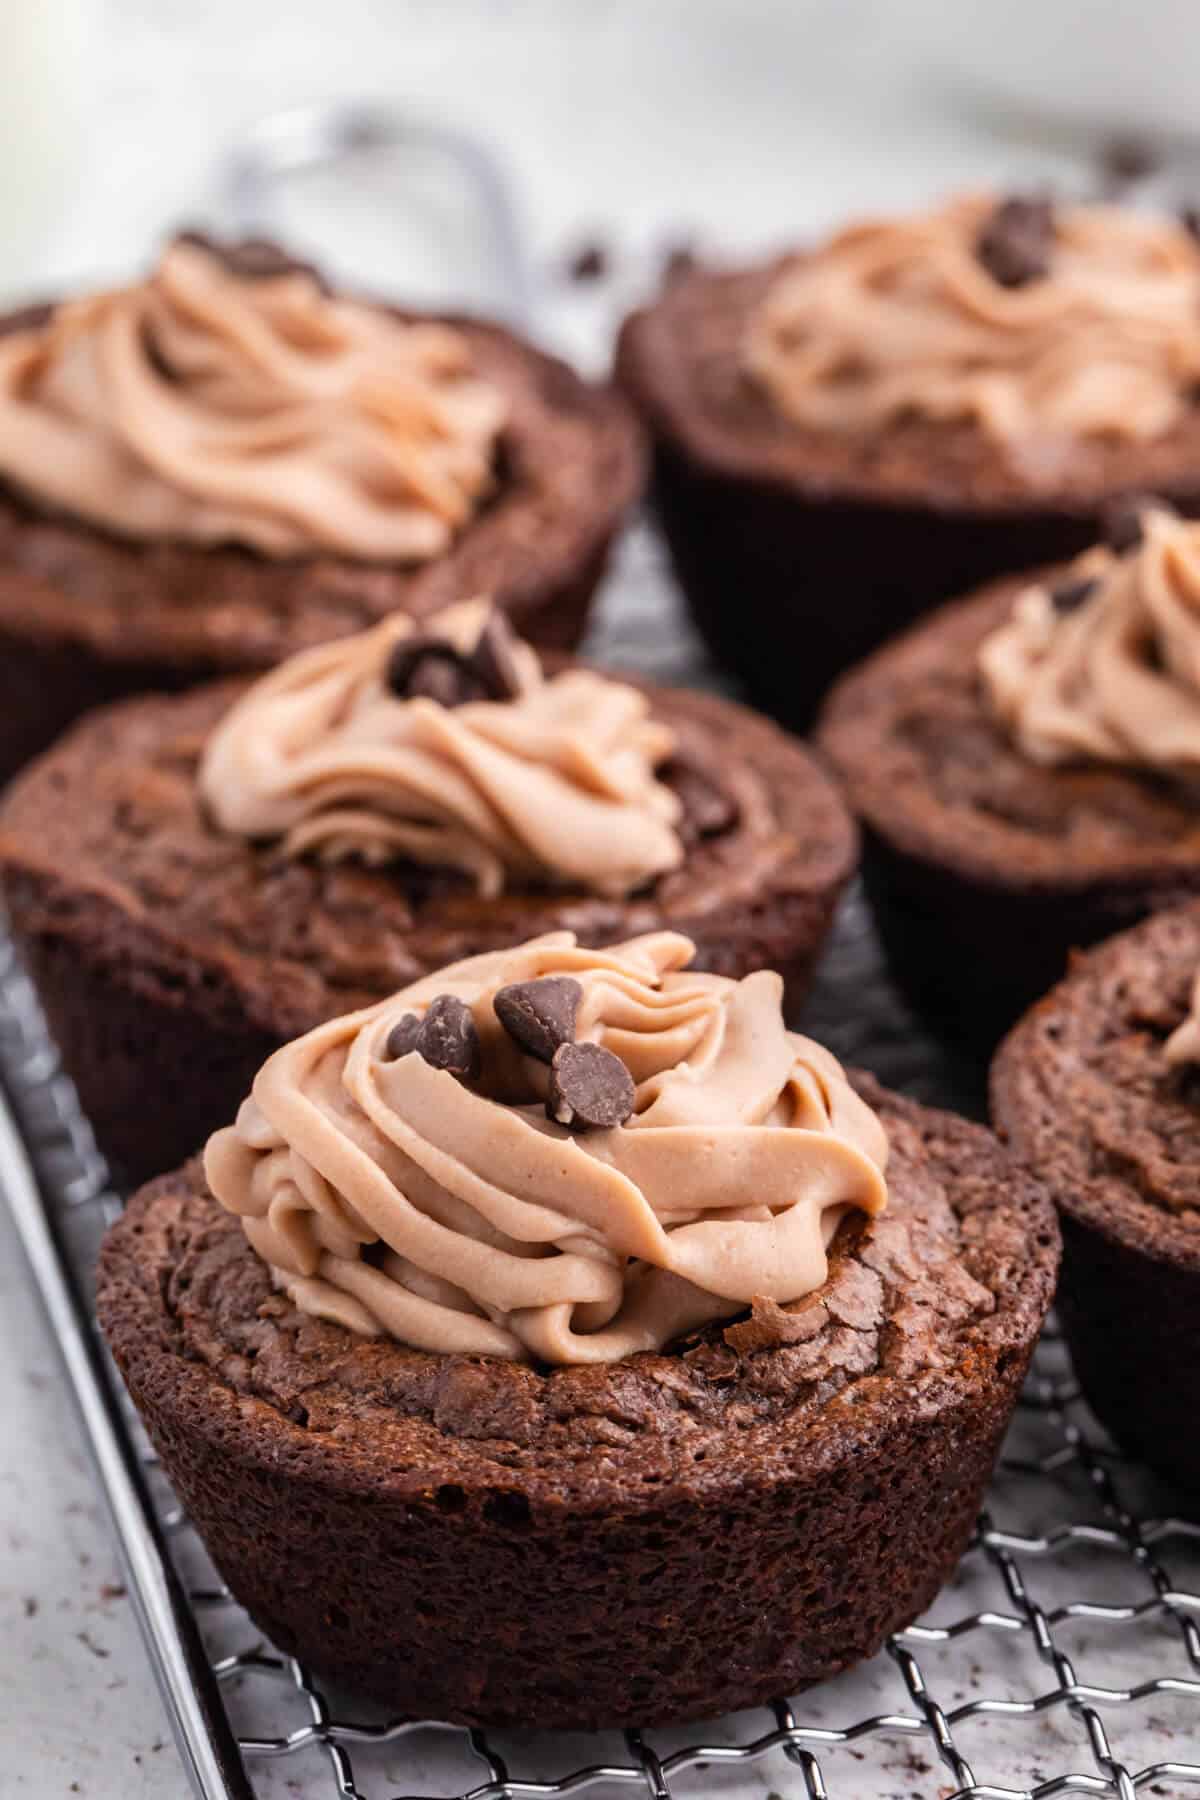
193 879
563 1342
226 462
1025 765
845 436
1098 1089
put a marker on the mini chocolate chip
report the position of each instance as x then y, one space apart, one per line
403 1036
442 676
1189 218
590 1088
259 259
1015 243
422 667
540 1015
494 659
1126 160
707 808
1122 520
448 1038
432 668
406 653
679 259
1069 595
589 263
252 257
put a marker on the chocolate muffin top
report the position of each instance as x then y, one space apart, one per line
920 1304
290 524
111 835
1085 1090
978 358
930 765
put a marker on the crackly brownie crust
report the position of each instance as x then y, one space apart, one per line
986 869
1083 1093
799 551
87 617
670 1536
166 950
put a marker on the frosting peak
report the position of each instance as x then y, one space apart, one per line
1098 334
392 1197
1106 666
210 406
554 782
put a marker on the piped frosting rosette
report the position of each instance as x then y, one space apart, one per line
210 406
1042 325
404 1179
535 778
1104 665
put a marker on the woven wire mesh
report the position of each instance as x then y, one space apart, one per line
1064 1658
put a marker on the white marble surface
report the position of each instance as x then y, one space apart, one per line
738 122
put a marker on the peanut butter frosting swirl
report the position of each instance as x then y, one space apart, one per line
1106 666
903 316
206 406
453 1214
556 783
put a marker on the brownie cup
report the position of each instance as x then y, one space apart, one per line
168 948
1089 1091
1020 765
132 563
671 1502
845 436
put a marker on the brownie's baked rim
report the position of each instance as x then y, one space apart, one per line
1139 1228
841 716
611 413
164 959
802 1458
664 403
707 708
214 1413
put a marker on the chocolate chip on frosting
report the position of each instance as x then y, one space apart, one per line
422 667
1068 596
402 1038
426 666
446 1037
494 659
1122 520
1015 243
590 1088
540 1015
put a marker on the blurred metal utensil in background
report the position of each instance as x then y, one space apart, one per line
310 139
